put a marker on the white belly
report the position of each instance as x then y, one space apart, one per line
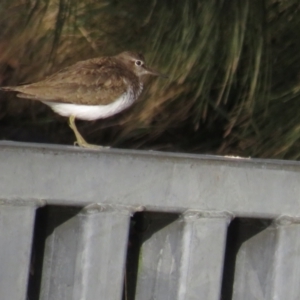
93 112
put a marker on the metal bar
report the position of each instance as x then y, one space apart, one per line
85 253
16 228
157 181
268 263
183 259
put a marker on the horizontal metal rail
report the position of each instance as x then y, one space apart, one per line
147 180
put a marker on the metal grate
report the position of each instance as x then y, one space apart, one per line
85 201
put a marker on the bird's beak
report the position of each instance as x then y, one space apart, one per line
149 71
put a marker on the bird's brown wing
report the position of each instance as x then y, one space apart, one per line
90 82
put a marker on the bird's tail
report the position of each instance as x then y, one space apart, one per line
7 88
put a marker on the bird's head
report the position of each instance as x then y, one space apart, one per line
136 63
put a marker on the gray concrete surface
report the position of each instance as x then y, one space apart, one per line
183 257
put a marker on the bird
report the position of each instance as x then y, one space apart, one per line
92 89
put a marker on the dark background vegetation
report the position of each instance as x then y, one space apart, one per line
234 86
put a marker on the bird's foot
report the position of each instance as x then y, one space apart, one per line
80 141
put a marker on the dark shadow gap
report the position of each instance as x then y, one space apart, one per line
46 220
239 231
143 226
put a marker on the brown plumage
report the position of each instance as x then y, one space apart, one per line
90 82
91 89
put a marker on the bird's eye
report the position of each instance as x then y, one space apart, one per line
138 63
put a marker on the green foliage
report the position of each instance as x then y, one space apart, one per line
233 68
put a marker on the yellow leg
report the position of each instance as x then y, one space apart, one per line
80 141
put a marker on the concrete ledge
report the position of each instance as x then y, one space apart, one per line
157 181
